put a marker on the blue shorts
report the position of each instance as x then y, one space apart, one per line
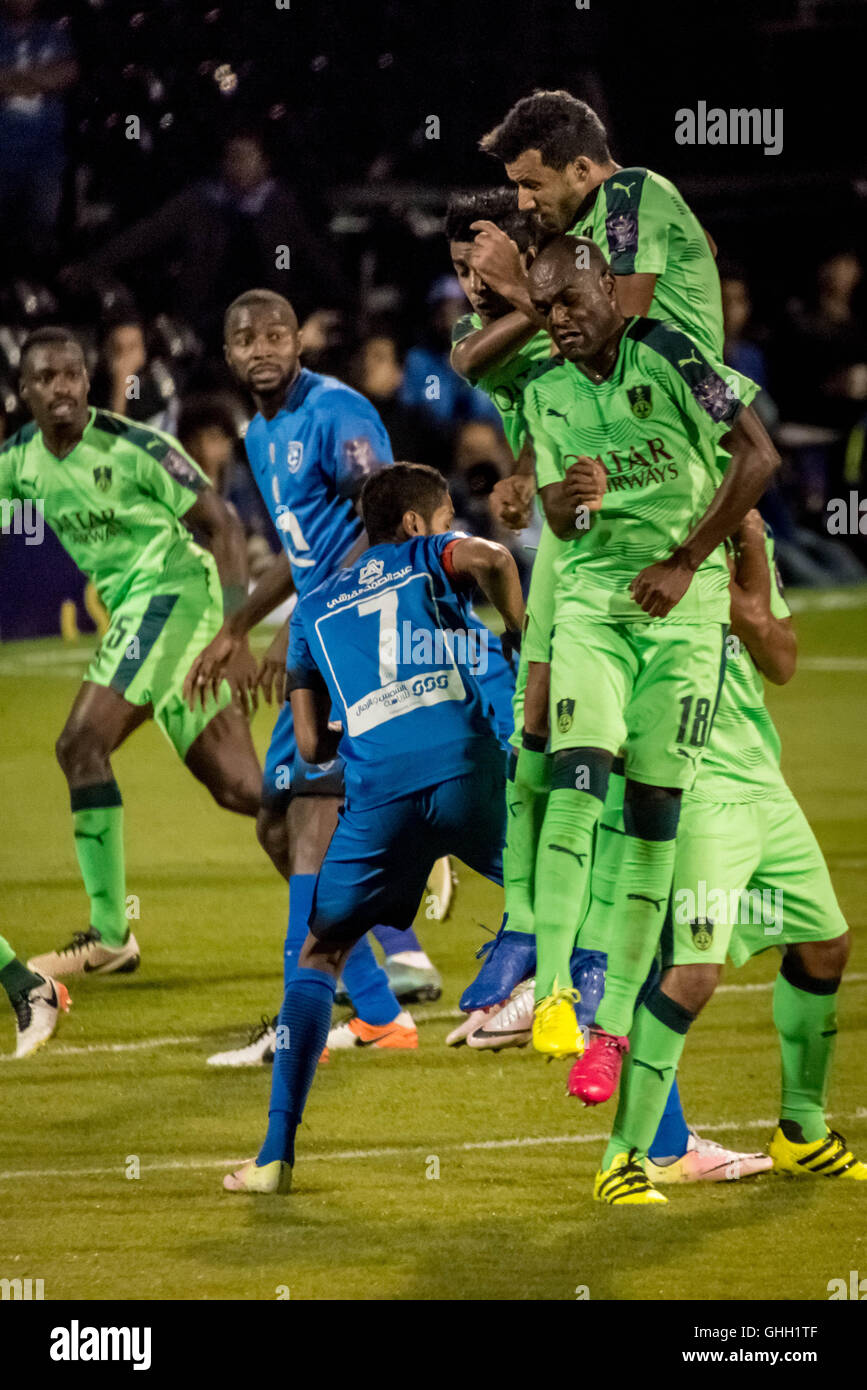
286 773
379 860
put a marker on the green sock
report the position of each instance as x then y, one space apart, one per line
15 977
807 1024
655 1045
526 798
637 913
563 863
97 817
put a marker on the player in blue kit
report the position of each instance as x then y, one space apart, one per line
385 643
311 445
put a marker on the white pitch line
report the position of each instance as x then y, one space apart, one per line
344 1155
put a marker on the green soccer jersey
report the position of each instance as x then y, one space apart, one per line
654 424
114 502
505 383
742 759
644 226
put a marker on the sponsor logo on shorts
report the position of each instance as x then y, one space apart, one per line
565 715
640 401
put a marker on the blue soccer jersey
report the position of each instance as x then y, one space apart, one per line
392 638
310 463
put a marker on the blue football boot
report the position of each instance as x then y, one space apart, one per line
507 960
588 977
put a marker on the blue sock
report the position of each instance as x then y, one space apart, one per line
670 1139
305 1018
393 941
367 985
301 888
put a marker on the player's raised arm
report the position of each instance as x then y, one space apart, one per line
210 515
494 343
754 461
769 638
223 651
495 572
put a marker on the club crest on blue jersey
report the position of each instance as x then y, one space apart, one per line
640 400
102 477
294 456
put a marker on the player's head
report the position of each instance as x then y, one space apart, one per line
497 205
408 499
572 287
54 380
555 148
262 342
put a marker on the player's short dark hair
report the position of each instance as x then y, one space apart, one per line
48 336
259 299
202 413
556 124
497 205
391 492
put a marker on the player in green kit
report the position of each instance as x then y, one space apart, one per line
555 149
503 376
625 426
120 498
36 1001
748 875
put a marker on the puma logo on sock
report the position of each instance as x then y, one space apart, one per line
88 835
561 849
643 898
660 1071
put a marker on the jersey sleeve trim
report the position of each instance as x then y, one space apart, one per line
704 383
623 192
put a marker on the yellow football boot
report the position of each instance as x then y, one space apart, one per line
625 1184
823 1158
556 1030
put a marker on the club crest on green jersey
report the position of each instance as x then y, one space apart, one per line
702 933
640 401
102 477
565 715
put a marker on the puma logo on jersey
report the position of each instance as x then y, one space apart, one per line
559 413
685 361
625 186
155 444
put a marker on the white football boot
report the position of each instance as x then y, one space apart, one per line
86 955
509 1026
37 1012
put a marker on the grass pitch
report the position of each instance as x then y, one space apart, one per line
440 1174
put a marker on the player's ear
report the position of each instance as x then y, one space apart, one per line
413 523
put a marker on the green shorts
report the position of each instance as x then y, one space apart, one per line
153 637
649 688
746 877
538 621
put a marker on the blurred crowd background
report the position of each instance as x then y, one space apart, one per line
153 155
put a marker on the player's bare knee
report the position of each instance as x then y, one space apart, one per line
817 960
651 813
82 755
273 836
691 986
